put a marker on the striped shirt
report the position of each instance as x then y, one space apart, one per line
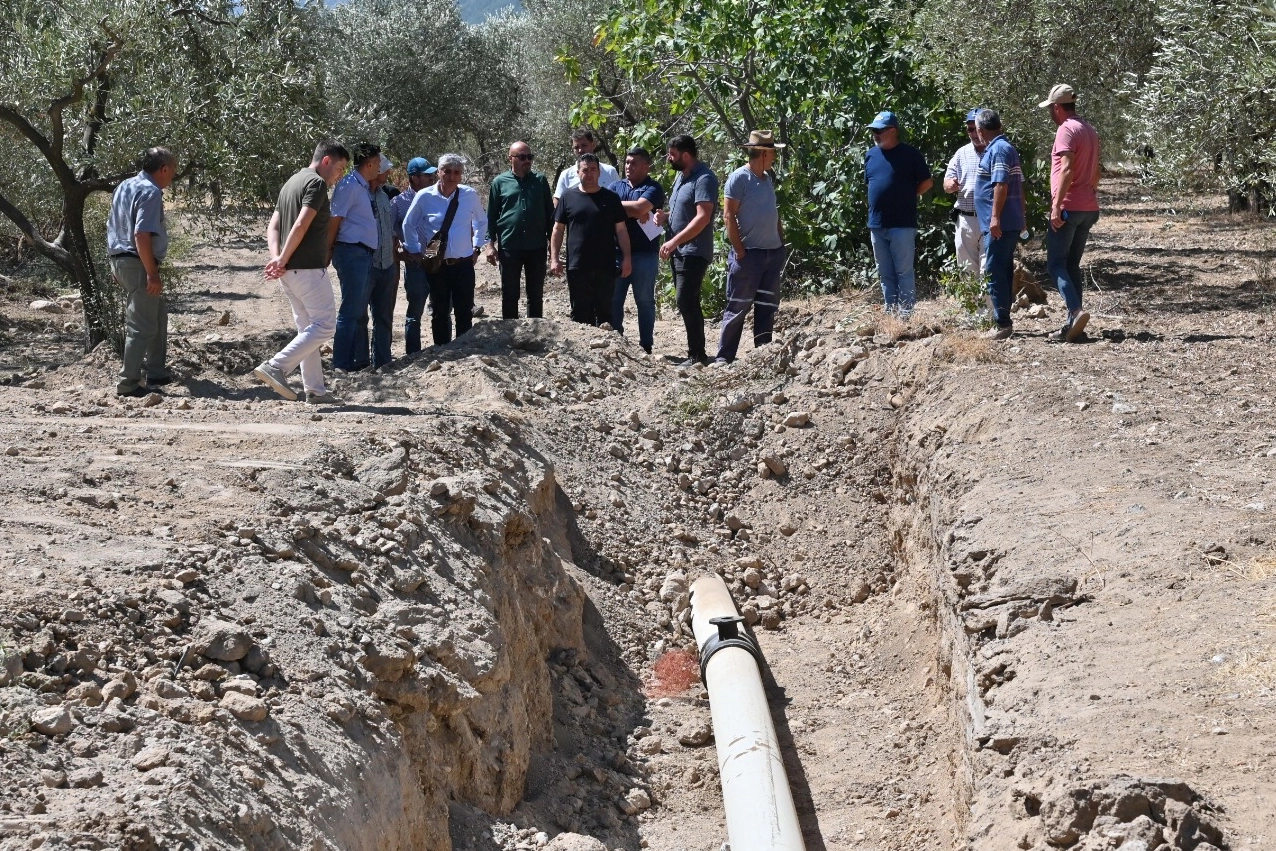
963 168
1000 164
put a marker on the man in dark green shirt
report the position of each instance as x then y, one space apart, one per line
520 216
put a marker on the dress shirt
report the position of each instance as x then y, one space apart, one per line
352 201
136 207
469 227
569 178
401 203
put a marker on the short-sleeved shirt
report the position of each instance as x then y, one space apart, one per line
400 204
305 189
1000 164
352 203
383 211
696 188
758 215
648 190
1075 135
591 219
893 176
520 211
963 168
569 178
137 207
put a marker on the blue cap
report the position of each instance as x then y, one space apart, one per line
884 119
420 165
973 115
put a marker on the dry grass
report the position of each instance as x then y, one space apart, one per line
967 347
673 673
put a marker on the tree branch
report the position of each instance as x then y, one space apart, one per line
54 252
77 91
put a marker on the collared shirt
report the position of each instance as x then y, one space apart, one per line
696 188
383 211
1000 164
400 203
1077 137
962 168
893 176
758 214
425 217
568 178
520 211
647 190
137 207
352 202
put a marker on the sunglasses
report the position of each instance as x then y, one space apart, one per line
971 130
875 131
528 157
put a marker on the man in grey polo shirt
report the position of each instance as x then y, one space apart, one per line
689 247
757 247
137 240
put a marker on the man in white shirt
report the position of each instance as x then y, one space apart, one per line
584 142
959 180
452 286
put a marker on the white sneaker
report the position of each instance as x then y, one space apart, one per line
275 380
325 398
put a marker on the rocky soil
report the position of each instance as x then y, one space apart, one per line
1016 595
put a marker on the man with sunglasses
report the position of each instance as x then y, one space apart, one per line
959 180
897 174
520 216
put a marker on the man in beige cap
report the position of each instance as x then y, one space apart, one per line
1074 204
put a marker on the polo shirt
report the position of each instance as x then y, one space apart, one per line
137 207
893 176
696 188
1000 164
963 168
1076 136
305 189
352 203
758 215
648 190
520 211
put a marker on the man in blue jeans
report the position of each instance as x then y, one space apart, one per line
352 240
416 286
752 219
896 174
383 282
999 207
641 197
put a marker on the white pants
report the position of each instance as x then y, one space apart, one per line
315 311
970 254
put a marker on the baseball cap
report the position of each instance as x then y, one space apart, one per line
973 115
386 165
420 165
1061 93
884 119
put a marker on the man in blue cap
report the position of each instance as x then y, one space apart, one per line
999 205
896 174
959 180
421 173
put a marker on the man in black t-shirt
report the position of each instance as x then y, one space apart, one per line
593 220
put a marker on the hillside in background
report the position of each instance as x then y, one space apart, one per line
472 11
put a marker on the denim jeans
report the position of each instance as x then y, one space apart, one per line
1064 248
999 273
417 288
688 278
353 264
452 289
533 263
753 281
893 249
644 267
383 291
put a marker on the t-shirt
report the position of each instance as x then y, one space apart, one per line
696 188
591 219
758 216
1000 164
1076 135
648 190
305 189
892 185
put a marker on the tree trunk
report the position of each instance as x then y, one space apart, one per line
82 270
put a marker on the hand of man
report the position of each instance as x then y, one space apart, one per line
154 286
491 254
994 227
1056 218
274 269
474 259
662 217
739 251
626 267
556 268
667 250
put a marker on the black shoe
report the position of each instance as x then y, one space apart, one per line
160 382
1060 336
135 393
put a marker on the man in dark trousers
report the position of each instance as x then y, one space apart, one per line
520 215
689 248
593 220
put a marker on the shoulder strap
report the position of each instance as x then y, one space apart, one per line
447 219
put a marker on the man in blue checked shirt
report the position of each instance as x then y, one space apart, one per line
352 240
452 287
999 205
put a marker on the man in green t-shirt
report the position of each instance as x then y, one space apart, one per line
298 240
520 216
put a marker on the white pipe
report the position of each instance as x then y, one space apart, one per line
755 789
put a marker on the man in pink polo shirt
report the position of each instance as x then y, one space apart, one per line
1074 204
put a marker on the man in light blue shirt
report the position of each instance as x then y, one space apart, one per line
452 286
352 240
757 247
137 240
421 174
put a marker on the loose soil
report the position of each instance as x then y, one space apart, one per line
1010 595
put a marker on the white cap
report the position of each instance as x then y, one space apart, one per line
386 165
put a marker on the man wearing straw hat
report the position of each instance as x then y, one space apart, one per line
757 255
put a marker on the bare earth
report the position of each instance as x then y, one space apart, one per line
1013 595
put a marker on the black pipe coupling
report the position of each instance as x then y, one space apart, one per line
729 635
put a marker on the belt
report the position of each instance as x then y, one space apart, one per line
965 212
132 254
357 245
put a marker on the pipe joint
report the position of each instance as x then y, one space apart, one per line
728 635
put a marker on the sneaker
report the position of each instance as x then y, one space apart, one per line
720 362
275 380
325 398
647 349
1001 332
135 393
1076 330
905 314
690 362
159 382
1060 336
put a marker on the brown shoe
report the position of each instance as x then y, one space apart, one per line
1077 329
1000 332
